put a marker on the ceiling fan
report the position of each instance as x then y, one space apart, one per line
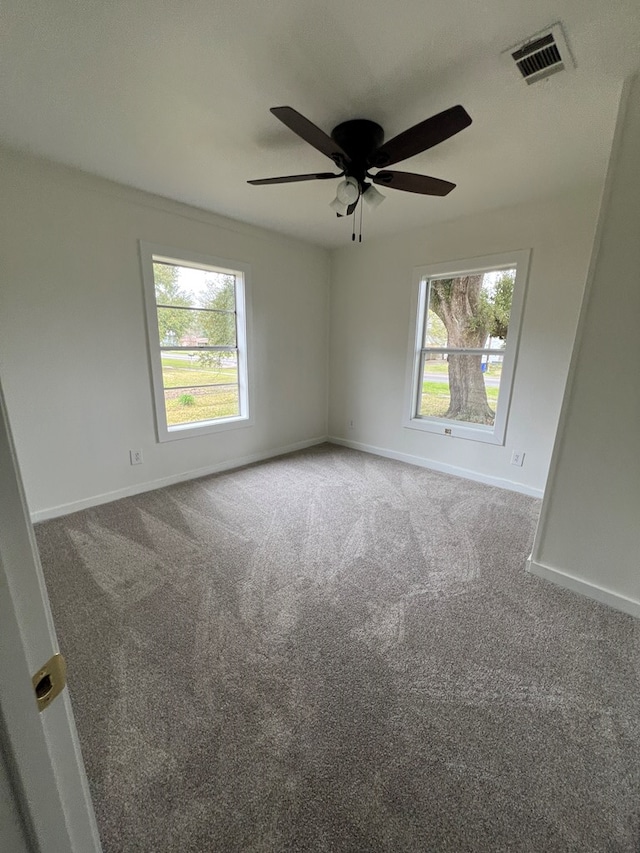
356 146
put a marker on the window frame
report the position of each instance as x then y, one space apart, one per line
422 276
151 253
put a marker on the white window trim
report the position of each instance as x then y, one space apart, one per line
457 429
150 252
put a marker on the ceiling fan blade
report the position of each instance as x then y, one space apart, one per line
289 179
412 183
422 136
311 134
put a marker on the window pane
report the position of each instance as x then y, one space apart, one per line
188 327
193 288
198 356
466 312
193 405
470 311
188 368
461 387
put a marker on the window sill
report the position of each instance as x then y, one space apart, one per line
457 429
205 428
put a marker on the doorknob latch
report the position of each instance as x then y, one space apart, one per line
50 681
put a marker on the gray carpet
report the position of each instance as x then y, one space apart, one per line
336 652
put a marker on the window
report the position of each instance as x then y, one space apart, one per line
464 345
196 320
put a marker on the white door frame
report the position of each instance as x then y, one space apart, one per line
43 759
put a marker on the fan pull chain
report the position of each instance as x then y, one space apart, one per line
361 206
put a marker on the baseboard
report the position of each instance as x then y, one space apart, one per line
139 488
500 482
586 588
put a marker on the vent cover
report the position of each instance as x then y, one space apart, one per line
543 54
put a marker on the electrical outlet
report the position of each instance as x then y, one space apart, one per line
517 458
136 457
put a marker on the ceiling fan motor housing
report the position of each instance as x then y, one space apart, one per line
360 139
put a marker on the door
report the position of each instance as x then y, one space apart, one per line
46 791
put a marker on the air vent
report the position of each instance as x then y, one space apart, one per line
541 55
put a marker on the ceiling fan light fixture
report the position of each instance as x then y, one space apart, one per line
348 191
339 207
372 197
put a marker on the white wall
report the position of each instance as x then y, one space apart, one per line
73 352
370 322
589 532
73 345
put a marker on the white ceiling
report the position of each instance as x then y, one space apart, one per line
173 97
